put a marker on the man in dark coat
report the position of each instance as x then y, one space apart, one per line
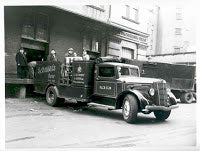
22 64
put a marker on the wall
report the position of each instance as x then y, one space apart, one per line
13 24
64 34
97 12
167 40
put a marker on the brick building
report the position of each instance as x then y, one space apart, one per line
38 29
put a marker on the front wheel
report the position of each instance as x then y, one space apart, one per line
162 115
130 109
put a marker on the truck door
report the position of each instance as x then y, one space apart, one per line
105 81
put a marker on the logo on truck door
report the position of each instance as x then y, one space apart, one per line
105 88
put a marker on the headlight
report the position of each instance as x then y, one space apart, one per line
152 91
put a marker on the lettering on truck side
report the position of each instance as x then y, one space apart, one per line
105 87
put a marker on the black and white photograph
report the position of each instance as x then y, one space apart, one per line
100 76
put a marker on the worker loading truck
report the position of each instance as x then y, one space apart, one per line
105 81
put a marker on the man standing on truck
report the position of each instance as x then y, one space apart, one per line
21 61
85 55
52 56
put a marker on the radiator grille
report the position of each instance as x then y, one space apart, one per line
161 94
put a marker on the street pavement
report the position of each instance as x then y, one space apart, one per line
31 123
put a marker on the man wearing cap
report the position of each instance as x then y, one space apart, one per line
52 56
69 55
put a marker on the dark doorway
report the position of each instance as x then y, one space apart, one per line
34 55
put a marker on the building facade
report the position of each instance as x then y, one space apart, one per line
38 29
176 34
132 43
100 29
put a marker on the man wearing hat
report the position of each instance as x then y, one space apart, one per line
52 56
69 55
22 64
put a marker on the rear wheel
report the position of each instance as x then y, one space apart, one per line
130 109
162 115
186 98
52 96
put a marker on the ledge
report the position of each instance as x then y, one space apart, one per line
131 20
37 40
95 7
18 81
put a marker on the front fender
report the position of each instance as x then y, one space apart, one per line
172 98
171 95
142 101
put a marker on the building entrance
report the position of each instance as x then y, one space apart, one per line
34 55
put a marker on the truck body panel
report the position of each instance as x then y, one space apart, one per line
178 77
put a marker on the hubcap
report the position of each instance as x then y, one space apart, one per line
189 97
51 97
126 108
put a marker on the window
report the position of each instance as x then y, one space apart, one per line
91 42
134 72
35 26
177 49
178 16
127 53
124 71
106 72
28 26
178 13
178 31
42 27
131 14
98 7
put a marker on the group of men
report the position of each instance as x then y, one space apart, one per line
26 70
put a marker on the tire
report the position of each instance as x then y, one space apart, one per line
162 115
130 108
52 96
186 98
194 96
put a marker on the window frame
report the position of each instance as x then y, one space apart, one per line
35 19
127 15
178 31
98 7
106 78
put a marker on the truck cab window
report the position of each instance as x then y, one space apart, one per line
106 72
124 71
134 72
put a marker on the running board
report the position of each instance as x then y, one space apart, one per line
101 105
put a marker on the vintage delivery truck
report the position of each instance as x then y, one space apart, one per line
180 78
109 82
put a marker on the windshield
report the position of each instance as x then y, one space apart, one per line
106 72
125 71
134 72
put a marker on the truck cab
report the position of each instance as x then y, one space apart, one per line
108 83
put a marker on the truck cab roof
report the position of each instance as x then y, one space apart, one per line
119 64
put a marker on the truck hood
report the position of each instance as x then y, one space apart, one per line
131 79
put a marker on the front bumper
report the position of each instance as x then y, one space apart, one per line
163 108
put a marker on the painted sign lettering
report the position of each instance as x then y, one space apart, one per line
46 69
